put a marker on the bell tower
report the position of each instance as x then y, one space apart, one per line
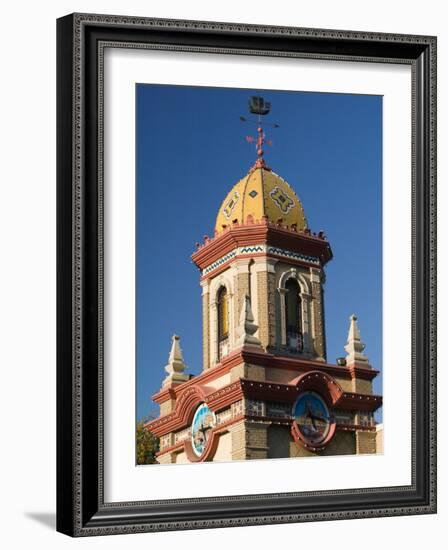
266 389
262 248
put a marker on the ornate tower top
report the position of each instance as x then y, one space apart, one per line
261 272
259 107
261 193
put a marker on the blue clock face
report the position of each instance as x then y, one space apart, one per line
204 421
312 417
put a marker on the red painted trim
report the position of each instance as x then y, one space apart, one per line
209 450
272 360
227 363
188 402
321 382
262 232
359 402
265 359
301 441
271 391
262 358
211 444
327 387
222 398
183 413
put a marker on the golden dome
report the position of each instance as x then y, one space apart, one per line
261 193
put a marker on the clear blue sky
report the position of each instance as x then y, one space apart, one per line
191 150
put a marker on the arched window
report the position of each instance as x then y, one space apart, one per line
223 322
293 313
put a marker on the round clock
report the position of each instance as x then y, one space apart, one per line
312 418
204 421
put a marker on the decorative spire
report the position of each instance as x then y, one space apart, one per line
259 107
176 365
355 347
247 328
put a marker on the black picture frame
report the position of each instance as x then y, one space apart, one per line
81 510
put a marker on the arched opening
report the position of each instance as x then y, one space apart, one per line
293 314
223 322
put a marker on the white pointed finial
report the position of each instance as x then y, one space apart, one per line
247 328
175 357
176 365
355 347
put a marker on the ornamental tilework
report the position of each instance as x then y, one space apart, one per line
182 435
219 262
241 251
255 407
231 204
293 255
282 200
237 409
251 249
224 416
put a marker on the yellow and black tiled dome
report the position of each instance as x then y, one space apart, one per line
261 193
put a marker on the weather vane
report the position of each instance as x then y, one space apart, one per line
260 108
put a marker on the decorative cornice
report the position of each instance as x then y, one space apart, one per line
267 391
265 359
206 376
259 250
298 364
283 241
182 414
359 401
187 403
223 397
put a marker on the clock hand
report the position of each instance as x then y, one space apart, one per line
204 431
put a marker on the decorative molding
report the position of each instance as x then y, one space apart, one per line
258 250
304 247
264 359
220 262
291 255
264 391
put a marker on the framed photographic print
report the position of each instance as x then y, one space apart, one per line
246 274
